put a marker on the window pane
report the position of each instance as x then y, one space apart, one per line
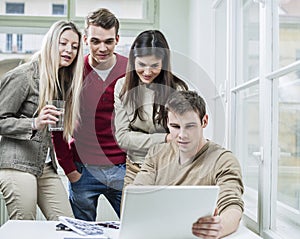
15 8
288 140
19 42
289 31
31 7
8 42
58 9
288 187
250 41
130 9
248 146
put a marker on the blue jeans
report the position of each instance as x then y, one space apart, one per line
94 181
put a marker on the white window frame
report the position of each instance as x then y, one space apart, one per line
268 207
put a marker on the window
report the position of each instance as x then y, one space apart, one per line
288 123
250 40
262 69
287 117
262 72
9 42
247 144
35 17
36 8
58 9
135 15
14 8
19 42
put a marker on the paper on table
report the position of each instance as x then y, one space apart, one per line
84 228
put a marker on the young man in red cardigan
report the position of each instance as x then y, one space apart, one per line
93 161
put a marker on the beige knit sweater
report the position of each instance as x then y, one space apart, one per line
212 165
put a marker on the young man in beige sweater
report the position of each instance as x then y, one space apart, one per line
190 159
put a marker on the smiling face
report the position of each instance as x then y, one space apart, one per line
187 131
102 43
148 68
68 47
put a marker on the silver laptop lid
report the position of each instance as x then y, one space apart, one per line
150 212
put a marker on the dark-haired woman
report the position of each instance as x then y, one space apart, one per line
140 97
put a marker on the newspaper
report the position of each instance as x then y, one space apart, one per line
84 228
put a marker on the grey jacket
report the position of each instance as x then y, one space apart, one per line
22 148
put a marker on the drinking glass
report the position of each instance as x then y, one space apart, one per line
60 105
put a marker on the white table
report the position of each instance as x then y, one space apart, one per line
24 229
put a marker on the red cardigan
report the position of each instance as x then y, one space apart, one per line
93 142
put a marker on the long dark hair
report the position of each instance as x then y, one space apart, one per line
148 43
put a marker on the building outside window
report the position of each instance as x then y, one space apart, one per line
11 46
32 19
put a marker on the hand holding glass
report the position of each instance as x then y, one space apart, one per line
60 106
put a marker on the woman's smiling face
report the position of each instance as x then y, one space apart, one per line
148 68
68 47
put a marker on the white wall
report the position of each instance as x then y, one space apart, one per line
187 26
174 23
200 40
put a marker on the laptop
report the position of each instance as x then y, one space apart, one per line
164 212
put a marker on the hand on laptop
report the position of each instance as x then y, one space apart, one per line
208 227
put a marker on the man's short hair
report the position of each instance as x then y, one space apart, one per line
102 17
181 102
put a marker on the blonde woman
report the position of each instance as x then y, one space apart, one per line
28 170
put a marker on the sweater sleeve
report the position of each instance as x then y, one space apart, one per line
229 178
126 138
63 152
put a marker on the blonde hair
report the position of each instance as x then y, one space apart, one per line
65 82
